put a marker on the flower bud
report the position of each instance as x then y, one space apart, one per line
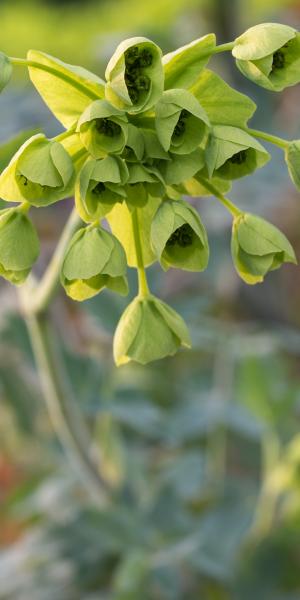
269 55
5 70
232 153
19 245
135 75
258 247
149 330
180 121
103 129
41 172
93 261
100 184
178 237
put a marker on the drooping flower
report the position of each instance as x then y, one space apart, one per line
103 129
19 245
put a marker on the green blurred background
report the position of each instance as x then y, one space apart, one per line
202 450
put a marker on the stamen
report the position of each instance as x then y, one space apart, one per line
278 60
99 189
182 236
180 127
107 127
239 158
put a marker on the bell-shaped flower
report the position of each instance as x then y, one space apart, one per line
292 158
103 129
178 237
181 167
100 184
258 247
149 330
143 180
181 122
269 55
135 145
41 172
134 75
232 153
93 261
19 245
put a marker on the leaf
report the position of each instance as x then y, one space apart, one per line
182 67
66 89
261 40
120 222
222 103
5 70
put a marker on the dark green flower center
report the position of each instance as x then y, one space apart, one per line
99 188
136 81
239 158
180 127
278 60
107 127
182 236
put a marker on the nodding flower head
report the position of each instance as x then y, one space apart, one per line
103 129
41 172
19 245
135 75
269 55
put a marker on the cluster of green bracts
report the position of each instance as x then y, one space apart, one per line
158 129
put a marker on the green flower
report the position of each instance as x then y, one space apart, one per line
180 168
41 172
269 55
143 180
103 129
149 330
100 184
94 260
258 247
178 237
181 122
292 158
5 70
19 245
232 153
135 75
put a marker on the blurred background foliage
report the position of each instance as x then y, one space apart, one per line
202 450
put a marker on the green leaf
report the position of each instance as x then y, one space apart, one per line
5 70
121 225
66 89
223 104
261 40
182 67
292 157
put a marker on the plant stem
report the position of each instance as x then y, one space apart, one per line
143 284
224 48
267 137
37 299
234 210
67 77
65 134
62 408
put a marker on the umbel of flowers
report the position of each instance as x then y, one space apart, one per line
135 147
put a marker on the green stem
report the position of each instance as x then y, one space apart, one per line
267 137
224 48
234 210
65 134
37 299
143 284
68 78
62 408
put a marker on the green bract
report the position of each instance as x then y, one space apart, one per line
5 70
181 167
292 157
183 66
181 122
100 184
232 153
41 172
149 330
269 55
94 260
19 245
258 247
103 129
178 237
134 75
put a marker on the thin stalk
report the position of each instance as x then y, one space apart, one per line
267 137
68 78
37 300
62 408
142 277
224 48
234 210
65 134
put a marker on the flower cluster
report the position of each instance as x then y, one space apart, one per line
157 130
